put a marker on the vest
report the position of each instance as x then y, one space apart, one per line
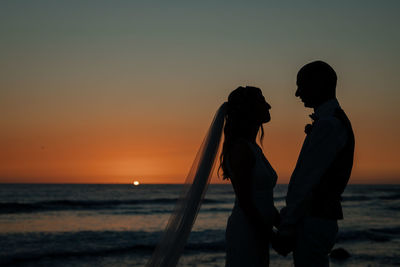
326 196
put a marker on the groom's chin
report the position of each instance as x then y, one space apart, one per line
305 103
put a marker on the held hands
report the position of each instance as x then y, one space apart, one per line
283 242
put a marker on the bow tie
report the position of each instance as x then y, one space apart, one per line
309 127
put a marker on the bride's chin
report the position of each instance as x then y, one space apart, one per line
266 120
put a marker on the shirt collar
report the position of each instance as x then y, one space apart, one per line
327 108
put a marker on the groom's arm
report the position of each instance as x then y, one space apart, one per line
328 136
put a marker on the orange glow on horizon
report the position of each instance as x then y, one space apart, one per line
155 158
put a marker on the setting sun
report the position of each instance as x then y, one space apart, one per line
136 183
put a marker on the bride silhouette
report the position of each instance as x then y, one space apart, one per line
252 177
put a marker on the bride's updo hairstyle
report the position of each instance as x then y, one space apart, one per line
240 118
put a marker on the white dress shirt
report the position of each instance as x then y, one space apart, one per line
327 137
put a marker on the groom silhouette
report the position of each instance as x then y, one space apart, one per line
313 202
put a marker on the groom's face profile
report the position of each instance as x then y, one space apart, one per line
306 91
316 83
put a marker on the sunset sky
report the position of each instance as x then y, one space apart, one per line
116 91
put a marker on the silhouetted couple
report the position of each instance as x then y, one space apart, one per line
307 225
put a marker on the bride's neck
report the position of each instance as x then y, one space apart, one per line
251 135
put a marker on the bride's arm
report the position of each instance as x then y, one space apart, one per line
242 161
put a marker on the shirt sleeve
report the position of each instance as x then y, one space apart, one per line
320 148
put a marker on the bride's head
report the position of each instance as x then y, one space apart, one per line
246 111
247 106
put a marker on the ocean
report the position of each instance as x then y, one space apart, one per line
119 225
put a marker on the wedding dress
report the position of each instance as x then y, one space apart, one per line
244 245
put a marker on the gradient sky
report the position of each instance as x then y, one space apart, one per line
113 91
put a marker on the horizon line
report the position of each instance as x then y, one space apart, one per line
227 183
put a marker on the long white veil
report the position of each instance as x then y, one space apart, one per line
173 240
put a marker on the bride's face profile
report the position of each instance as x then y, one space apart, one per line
262 108
249 104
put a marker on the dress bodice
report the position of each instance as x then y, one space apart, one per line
263 179
264 176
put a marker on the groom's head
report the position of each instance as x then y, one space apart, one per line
316 83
